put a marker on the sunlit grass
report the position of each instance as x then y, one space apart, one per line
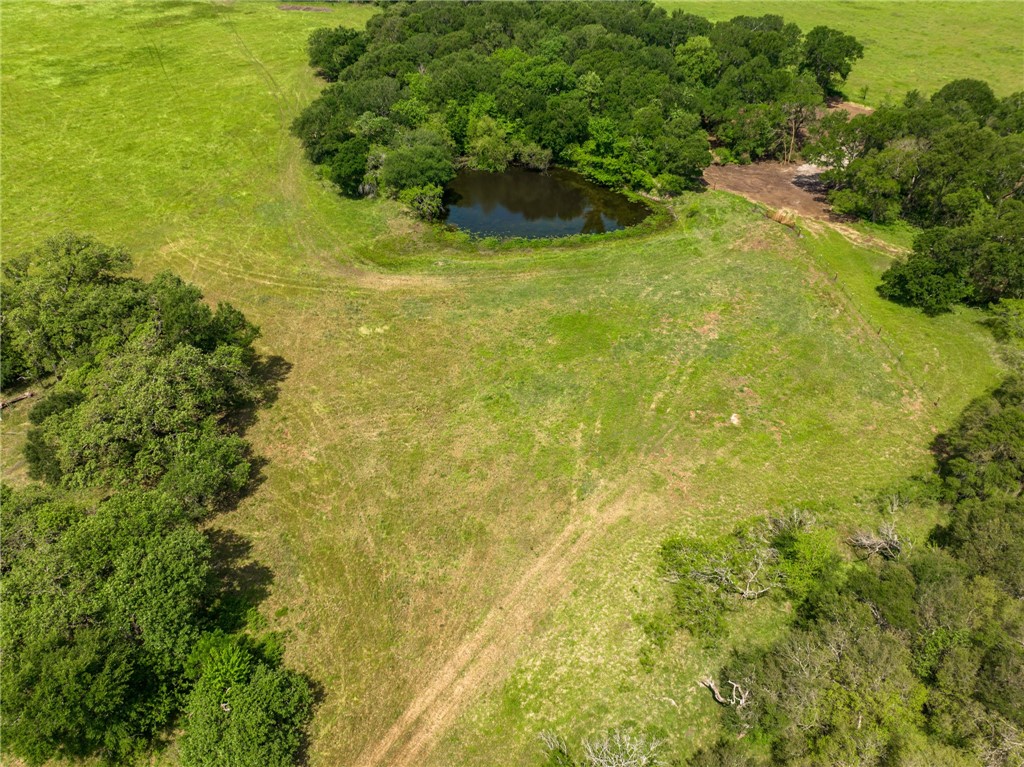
452 408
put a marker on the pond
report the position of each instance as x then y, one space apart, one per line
525 203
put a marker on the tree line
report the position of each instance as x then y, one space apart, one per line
629 95
625 93
120 617
896 655
953 165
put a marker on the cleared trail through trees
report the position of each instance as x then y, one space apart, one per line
791 187
776 184
492 648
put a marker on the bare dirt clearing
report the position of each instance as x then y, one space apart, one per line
852 108
776 184
790 187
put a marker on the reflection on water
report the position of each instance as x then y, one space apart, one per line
524 203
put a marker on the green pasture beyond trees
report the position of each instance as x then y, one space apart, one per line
920 45
452 407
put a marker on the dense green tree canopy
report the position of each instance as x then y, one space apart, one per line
933 162
143 416
981 261
108 588
829 56
973 95
244 711
623 92
69 303
67 299
147 373
954 165
100 608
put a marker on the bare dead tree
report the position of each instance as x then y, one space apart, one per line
556 746
621 748
749 579
1003 743
884 542
745 567
790 522
893 503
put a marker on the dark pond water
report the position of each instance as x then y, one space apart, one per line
524 203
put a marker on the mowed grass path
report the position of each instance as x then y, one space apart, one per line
908 44
465 433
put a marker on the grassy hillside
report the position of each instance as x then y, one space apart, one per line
474 451
908 44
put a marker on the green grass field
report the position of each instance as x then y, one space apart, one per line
908 44
476 450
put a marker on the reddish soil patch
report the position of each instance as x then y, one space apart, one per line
776 184
851 109
310 8
789 190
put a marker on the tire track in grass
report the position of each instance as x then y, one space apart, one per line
493 646
280 100
346 278
771 184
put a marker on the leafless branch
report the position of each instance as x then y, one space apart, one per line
738 698
885 542
622 749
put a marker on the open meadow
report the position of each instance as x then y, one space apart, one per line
477 449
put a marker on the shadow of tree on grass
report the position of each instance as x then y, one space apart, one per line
240 583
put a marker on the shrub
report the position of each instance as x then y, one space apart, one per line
426 201
244 712
534 156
